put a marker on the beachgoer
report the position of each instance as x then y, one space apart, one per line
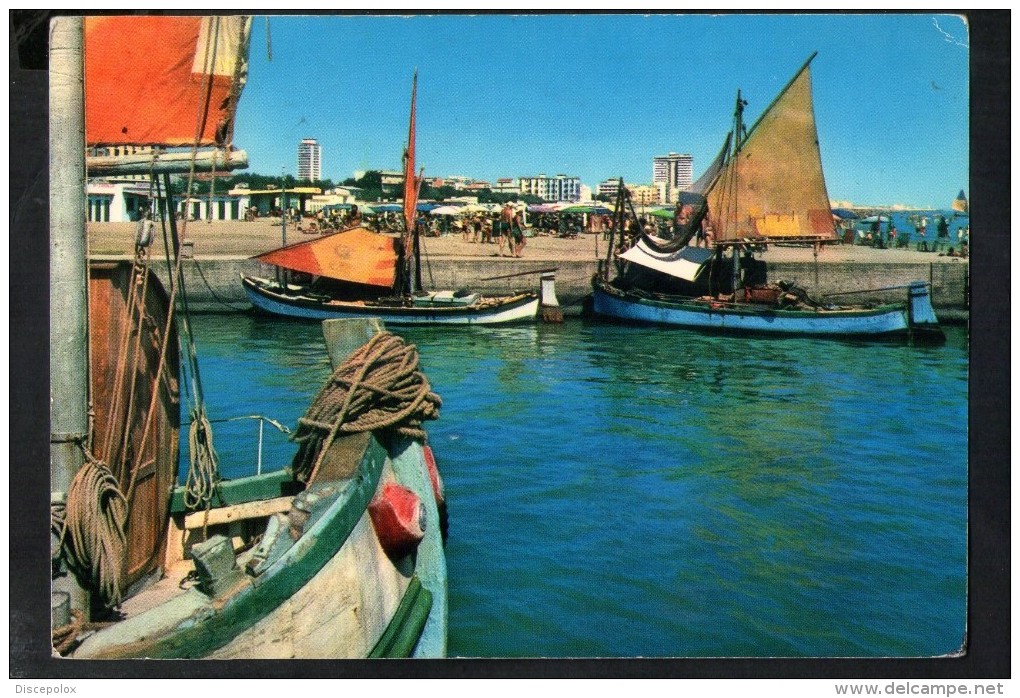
942 227
506 218
517 233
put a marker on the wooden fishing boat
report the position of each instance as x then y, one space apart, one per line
362 273
766 186
339 554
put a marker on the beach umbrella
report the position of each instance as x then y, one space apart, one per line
446 211
387 208
587 208
661 213
426 206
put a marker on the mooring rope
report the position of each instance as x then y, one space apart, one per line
379 387
203 465
92 528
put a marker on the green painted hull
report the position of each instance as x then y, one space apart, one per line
193 625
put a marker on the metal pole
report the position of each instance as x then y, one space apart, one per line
69 349
258 464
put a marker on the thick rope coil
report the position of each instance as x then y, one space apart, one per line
203 467
93 533
379 387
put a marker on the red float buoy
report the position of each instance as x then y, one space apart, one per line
399 519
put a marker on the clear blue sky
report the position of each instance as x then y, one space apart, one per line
597 96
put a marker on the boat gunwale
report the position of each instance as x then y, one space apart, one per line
751 309
217 622
502 303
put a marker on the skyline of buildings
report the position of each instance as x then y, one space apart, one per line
671 174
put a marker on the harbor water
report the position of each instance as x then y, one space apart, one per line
620 491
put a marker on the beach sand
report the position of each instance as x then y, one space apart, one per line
235 239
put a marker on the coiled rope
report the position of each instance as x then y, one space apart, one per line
203 466
92 529
379 387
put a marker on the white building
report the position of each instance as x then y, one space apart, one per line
558 188
507 185
674 171
608 187
309 160
116 202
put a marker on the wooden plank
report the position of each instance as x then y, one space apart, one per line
238 512
172 163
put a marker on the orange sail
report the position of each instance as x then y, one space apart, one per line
357 255
159 80
773 186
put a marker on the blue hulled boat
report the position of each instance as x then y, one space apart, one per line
766 186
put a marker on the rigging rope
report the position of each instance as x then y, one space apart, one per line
379 387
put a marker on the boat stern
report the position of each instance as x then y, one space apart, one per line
924 325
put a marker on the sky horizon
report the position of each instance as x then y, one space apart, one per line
597 96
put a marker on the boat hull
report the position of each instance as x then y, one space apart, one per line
915 318
521 308
335 593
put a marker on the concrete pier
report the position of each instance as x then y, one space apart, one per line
223 250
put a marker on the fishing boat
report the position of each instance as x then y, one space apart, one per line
362 273
766 186
338 554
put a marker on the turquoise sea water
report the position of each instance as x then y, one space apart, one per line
621 491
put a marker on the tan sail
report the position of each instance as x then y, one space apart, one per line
773 185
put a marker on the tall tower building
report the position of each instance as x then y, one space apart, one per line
675 170
309 160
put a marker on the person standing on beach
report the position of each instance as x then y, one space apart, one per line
506 218
517 233
943 228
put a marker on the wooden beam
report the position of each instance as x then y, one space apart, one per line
238 512
165 163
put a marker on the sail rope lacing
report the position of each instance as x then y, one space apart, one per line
379 387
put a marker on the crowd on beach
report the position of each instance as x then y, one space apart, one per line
510 226
926 235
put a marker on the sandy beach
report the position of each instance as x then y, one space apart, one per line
233 239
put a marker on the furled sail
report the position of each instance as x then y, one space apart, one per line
772 186
411 182
163 80
357 255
